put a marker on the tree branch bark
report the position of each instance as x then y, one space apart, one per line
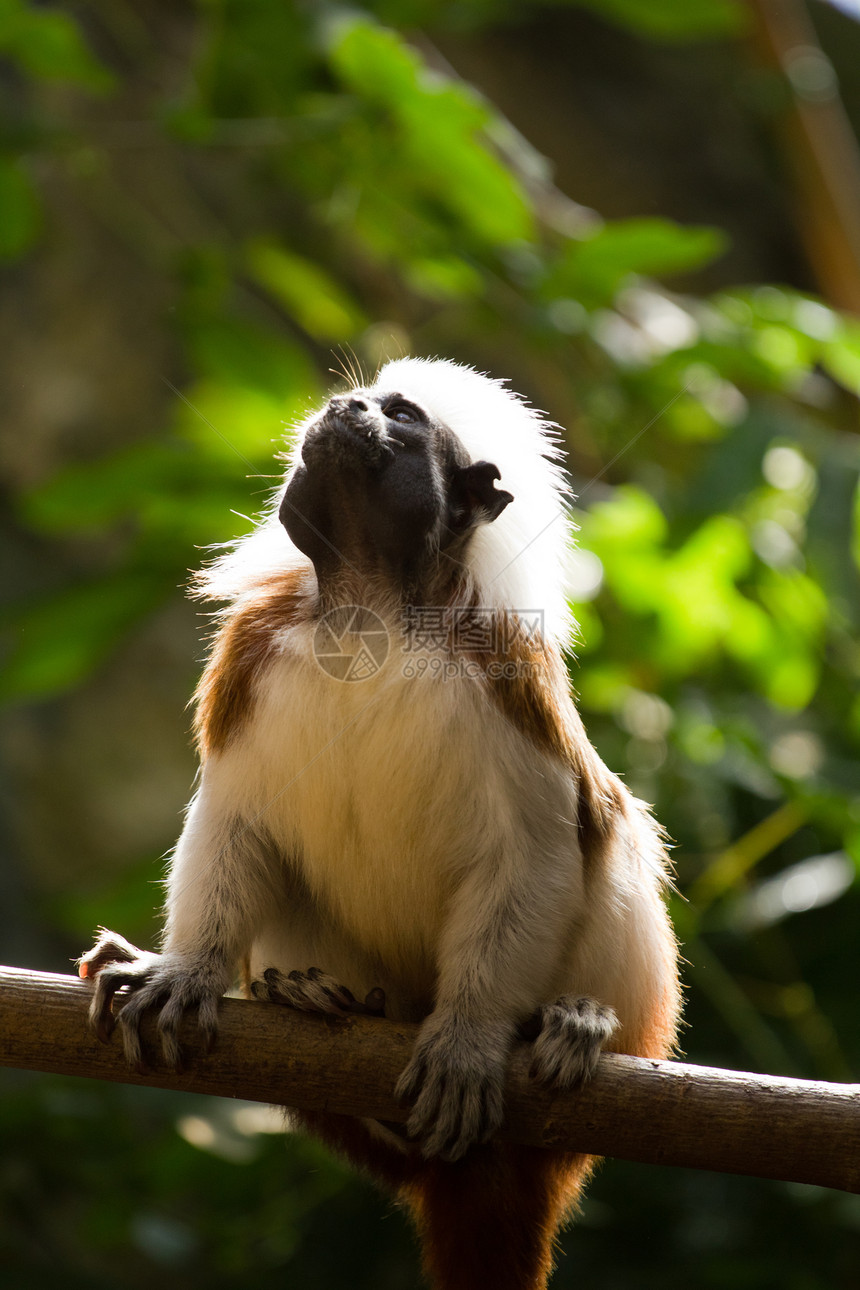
653 1112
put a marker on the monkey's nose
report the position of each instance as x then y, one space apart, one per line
349 403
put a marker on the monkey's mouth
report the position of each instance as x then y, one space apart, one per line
345 439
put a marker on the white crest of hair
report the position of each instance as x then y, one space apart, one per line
518 561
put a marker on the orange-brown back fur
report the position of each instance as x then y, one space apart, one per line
242 647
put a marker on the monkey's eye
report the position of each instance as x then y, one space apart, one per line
404 413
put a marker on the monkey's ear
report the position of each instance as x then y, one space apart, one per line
474 497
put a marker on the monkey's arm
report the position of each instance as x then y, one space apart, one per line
498 959
219 886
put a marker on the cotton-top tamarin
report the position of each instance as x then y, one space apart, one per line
399 811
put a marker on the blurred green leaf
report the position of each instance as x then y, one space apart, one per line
96 495
319 305
229 348
56 642
593 270
443 277
677 20
20 212
841 357
47 44
439 129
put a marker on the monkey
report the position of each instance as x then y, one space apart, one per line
399 811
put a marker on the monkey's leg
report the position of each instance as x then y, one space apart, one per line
315 991
568 1036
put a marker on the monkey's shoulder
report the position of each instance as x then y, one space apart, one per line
529 683
249 637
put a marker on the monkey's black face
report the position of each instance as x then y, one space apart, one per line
384 489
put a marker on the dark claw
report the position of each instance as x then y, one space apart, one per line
374 1003
273 988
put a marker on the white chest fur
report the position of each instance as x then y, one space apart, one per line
387 791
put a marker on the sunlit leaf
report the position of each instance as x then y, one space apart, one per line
791 680
629 520
841 357
440 124
242 426
319 304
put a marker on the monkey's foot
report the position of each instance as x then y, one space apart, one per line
149 981
569 1036
315 991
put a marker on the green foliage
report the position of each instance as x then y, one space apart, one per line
47 43
20 207
435 129
594 270
311 296
363 198
674 19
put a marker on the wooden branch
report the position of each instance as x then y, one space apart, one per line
649 1111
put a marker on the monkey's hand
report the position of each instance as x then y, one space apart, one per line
315 991
455 1081
568 1036
152 981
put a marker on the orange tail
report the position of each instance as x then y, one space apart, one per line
492 1218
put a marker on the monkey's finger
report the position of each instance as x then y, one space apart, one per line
445 1137
109 948
410 1081
100 1017
101 1014
427 1108
129 1023
169 1020
207 1019
340 995
311 991
472 1115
